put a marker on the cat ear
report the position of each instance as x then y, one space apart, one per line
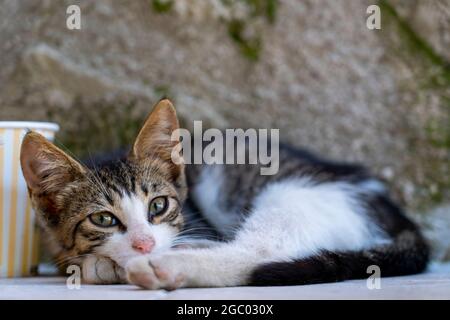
45 167
155 137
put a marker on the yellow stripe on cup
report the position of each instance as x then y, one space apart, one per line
13 208
35 250
19 237
2 151
26 239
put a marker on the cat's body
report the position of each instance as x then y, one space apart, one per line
314 221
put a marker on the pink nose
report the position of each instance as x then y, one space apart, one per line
143 245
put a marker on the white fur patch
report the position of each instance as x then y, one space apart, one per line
373 186
207 194
296 218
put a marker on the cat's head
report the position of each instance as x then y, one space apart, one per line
120 211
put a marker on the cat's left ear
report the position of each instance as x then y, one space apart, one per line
155 138
45 167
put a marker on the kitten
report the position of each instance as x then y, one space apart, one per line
314 221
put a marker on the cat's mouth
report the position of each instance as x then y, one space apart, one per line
121 259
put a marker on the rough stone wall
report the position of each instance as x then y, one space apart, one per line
310 68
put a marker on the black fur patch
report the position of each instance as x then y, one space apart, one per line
408 255
144 189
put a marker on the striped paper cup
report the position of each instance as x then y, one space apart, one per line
19 239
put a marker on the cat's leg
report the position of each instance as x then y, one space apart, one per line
100 270
234 265
224 265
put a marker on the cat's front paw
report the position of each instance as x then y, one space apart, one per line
157 272
100 270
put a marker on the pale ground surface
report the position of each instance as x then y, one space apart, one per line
435 284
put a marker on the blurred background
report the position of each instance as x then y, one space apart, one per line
310 68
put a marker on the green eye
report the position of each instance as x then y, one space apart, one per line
157 206
104 219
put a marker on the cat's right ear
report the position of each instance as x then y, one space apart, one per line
46 168
156 135
158 138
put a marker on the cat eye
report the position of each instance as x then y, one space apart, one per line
104 219
157 206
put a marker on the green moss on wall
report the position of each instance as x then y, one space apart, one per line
249 45
431 78
162 6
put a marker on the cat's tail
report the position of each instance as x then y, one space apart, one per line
407 254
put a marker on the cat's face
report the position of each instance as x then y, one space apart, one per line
120 211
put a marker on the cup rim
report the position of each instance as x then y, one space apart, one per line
29 125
